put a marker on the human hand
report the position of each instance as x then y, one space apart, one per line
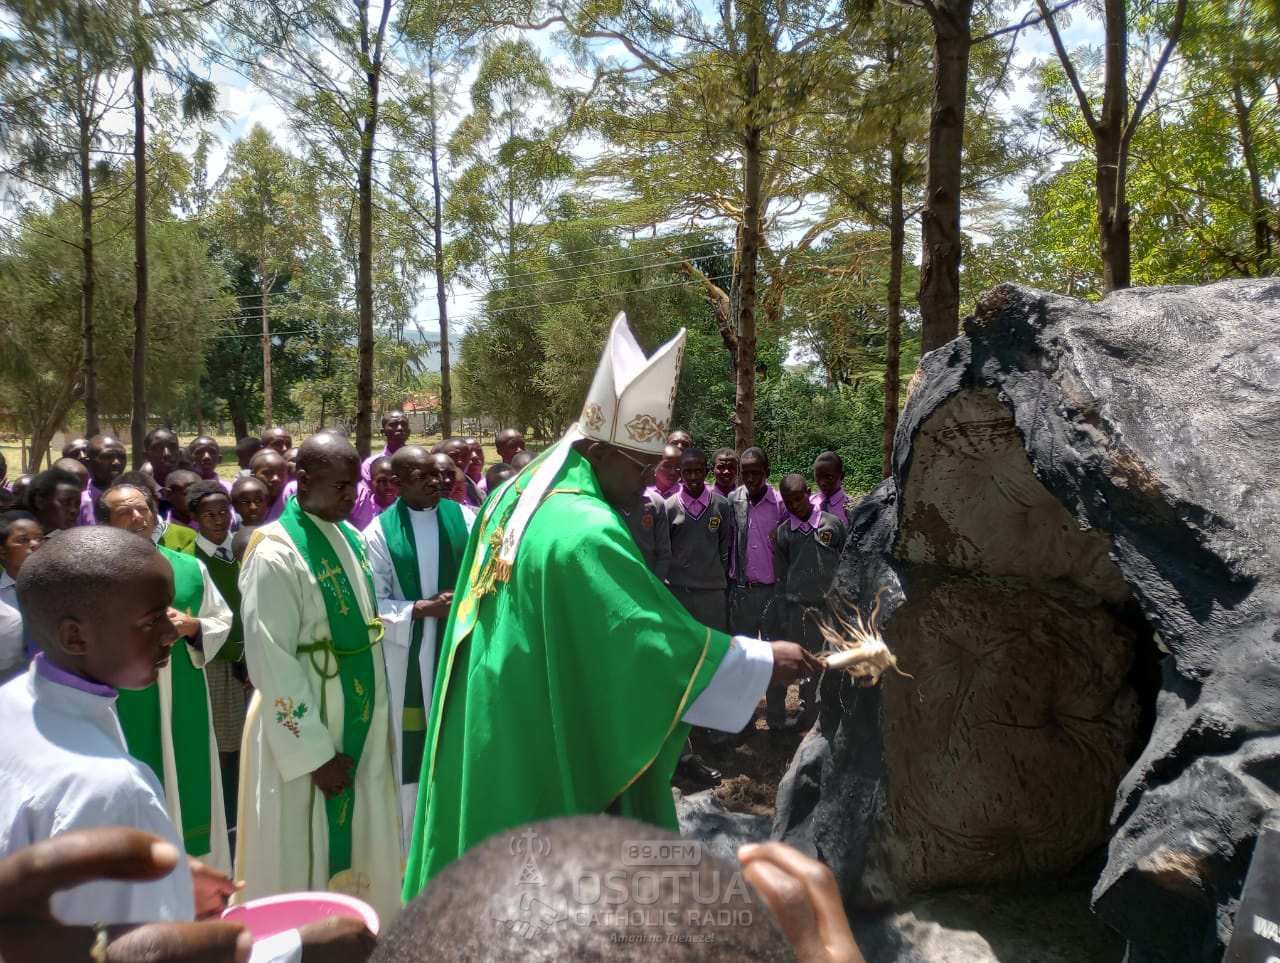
436 607
792 663
805 900
335 775
336 939
30 876
212 888
188 626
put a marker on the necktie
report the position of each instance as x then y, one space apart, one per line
223 553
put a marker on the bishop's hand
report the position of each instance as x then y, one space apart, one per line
335 775
792 663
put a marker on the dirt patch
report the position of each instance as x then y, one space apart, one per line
753 767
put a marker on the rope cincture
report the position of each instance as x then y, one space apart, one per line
326 646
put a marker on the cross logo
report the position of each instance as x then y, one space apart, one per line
330 575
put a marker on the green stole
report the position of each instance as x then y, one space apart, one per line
346 655
139 711
451 530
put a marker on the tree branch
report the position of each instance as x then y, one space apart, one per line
1175 31
1047 15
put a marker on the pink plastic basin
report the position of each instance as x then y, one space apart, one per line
275 914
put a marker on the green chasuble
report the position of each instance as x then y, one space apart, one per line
139 712
562 688
451 539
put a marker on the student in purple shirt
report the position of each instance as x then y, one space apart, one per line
107 459
509 442
181 479
249 499
807 550
246 448
278 440
666 477
53 497
828 476
205 457
161 446
77 448
681 439
757 513
270 468
395 429
724 466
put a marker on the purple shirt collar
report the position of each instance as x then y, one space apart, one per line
806 525
62 677
695 506
662 492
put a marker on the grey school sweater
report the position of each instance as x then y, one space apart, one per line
805 559
700 547
647 522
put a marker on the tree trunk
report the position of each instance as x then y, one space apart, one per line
239 425
1258 200
265 310
138 429
939 295
437 225
364 284
87 286
1111 151
744 418
893 319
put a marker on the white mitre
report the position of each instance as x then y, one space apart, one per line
631 396
629 405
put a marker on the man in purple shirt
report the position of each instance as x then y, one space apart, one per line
205 457
395 429
666 478
828 476
107 459
757 512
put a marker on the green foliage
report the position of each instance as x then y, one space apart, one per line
40 356
797 419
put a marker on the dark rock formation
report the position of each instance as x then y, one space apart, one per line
1077 558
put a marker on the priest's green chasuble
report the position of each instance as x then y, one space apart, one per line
563 681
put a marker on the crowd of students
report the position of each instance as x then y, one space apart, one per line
740 554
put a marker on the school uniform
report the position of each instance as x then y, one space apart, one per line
647 522
701 534
807 553
838 504
751 608
225 674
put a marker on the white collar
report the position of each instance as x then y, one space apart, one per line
209 548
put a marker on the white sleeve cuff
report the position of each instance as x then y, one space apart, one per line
736 688
284 947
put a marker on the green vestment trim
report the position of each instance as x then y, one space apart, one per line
397 526
346 655
189 717
561 688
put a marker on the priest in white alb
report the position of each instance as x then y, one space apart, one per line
318 806
415 550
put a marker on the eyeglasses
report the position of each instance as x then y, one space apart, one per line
648 471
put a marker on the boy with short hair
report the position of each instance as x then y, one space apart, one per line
701 543
807 551
179 481
273 471
757 512
249 499
495 475
20 535
225 674
828 476
724 466
666 477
